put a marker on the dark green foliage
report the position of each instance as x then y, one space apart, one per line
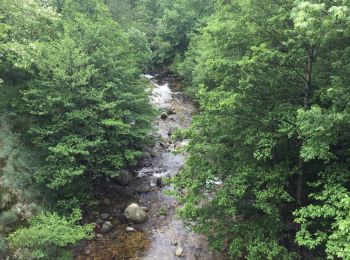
168 25
89 108
177 25
267 175
75 107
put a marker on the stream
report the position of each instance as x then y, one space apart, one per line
164 233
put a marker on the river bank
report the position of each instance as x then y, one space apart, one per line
163 236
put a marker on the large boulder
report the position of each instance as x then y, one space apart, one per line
136 214
124 177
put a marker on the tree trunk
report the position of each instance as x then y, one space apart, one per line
307 89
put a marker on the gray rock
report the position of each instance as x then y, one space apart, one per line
142 184
179 252
106 227
99 236
164 116
104 216
153 181
148 183
136 214
124 177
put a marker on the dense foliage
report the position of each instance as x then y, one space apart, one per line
47 234
272 80
74 108
267 172
76 78
90 110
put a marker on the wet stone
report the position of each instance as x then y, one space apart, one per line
164 116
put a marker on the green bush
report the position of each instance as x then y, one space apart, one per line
48 234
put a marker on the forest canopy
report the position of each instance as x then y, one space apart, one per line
271 79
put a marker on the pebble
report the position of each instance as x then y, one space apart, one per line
179 252
130 229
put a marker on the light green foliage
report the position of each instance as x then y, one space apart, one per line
326 221
22 25
271 143
333 211
316 128
271 86
48 233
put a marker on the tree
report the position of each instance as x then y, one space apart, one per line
23 25
324 220
268 125
90 110
174 29
48 233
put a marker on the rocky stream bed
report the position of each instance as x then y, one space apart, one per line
163 236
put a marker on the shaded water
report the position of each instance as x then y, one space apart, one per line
163 233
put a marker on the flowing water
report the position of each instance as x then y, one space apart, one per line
163 233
